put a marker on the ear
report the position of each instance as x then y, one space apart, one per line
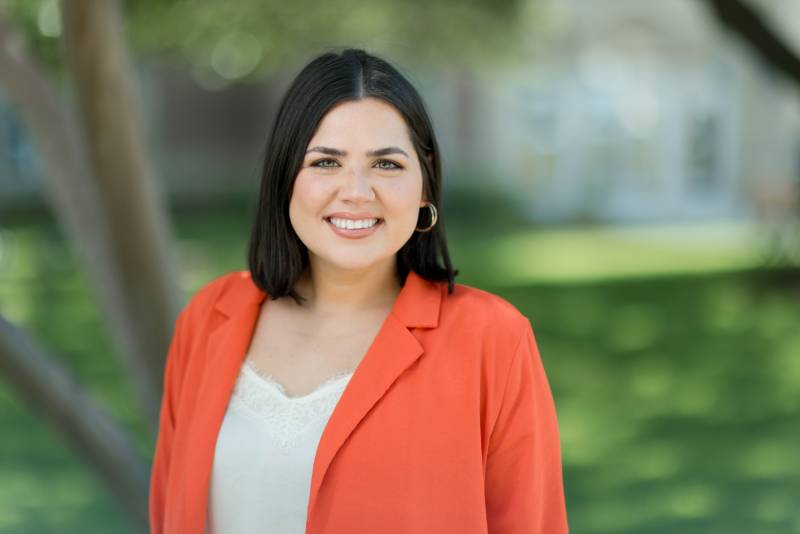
430 159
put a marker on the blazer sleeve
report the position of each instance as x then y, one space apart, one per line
524 486
166 427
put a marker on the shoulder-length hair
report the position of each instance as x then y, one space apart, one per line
277 257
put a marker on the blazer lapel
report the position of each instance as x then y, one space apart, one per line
392 351
226 348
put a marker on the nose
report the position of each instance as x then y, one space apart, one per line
357 186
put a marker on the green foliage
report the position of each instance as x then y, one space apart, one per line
38 23
470 208
250 39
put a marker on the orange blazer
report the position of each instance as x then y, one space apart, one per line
447 425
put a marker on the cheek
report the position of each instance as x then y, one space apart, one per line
307 196
404 200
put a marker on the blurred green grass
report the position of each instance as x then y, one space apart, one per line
676 375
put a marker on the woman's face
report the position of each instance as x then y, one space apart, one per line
339 175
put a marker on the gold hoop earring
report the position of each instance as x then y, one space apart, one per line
434 216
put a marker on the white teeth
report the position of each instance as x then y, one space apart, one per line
349 224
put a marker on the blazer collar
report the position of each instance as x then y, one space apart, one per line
394 349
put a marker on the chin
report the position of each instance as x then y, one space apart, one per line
354 262
359 266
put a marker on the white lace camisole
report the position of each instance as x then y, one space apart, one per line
261 473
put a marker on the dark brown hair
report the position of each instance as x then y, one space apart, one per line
277 257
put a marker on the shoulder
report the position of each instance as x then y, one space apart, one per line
203 299
481 310
210 291
485 331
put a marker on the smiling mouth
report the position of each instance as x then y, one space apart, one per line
377 222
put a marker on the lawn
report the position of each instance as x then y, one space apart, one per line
676 373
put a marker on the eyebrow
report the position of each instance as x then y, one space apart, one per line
379 152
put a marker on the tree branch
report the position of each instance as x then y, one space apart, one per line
746 22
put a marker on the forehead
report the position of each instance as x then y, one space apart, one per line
370 121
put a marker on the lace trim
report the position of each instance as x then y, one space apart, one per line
259 397
276 384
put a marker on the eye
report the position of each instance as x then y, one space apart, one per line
384 164
394 165
317 163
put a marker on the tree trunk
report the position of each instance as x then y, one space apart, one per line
91 432
140 241
108 208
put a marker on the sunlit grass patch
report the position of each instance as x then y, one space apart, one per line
596 253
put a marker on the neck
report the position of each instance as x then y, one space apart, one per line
330 291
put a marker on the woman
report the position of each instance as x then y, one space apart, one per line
345 383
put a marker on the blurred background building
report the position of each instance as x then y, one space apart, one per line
627 111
